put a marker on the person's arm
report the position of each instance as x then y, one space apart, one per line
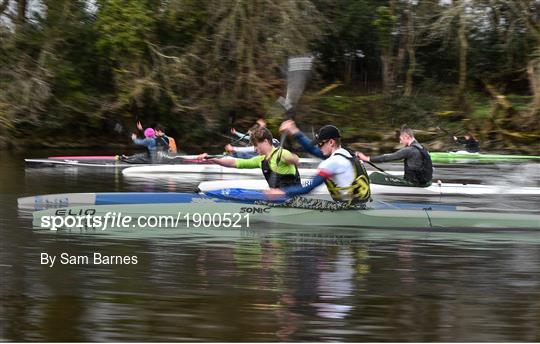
399 155
290 128
254 162
292 191
244 137
140 129
226 162
141 142
248 149
306 144
460 140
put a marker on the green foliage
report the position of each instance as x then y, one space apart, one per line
384 24
123 27
74 68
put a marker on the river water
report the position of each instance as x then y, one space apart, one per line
265 284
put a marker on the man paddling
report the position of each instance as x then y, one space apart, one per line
279 166
470 142
344 175
164 143
247 152
149 142
417 162
289 127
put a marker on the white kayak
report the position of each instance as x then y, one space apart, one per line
203 168
160 170
77 163
112 162
435 189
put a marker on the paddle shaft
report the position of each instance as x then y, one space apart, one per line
377 167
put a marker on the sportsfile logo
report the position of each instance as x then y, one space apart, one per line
88 219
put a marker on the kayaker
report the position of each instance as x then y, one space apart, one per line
247 152
470 142
149 142
344 175
279 166
417 162
289 127
240 152
164 143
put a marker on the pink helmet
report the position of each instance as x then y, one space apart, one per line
149 132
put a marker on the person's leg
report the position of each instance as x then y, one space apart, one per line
388 179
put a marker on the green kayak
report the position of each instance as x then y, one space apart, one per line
465 157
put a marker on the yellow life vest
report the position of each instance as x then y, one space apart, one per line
359 191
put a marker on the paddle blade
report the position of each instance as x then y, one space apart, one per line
298 72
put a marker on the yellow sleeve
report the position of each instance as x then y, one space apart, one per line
254 162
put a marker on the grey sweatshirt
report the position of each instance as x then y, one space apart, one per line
411 154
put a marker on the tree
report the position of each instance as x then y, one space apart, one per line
456 14
125 28
236 63
385 25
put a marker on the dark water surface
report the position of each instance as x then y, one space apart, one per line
264 284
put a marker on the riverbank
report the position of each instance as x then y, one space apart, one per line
368 123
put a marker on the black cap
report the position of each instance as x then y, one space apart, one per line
326 133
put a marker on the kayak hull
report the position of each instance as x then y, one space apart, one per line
443 189
465 157
77 163
191 215
109 198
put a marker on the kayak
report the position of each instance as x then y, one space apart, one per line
465 157
164 170
101 198
111 161
160 170
108 198
85 157
98 161
214 212
442 189
77 163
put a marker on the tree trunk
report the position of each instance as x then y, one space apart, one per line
411 52
463 47
3 6
20 19
533 73
386 59
502 101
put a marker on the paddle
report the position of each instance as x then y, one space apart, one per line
298 72
377 167
191 160
452 135
446 132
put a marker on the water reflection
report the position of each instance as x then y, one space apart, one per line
268 283
334 285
